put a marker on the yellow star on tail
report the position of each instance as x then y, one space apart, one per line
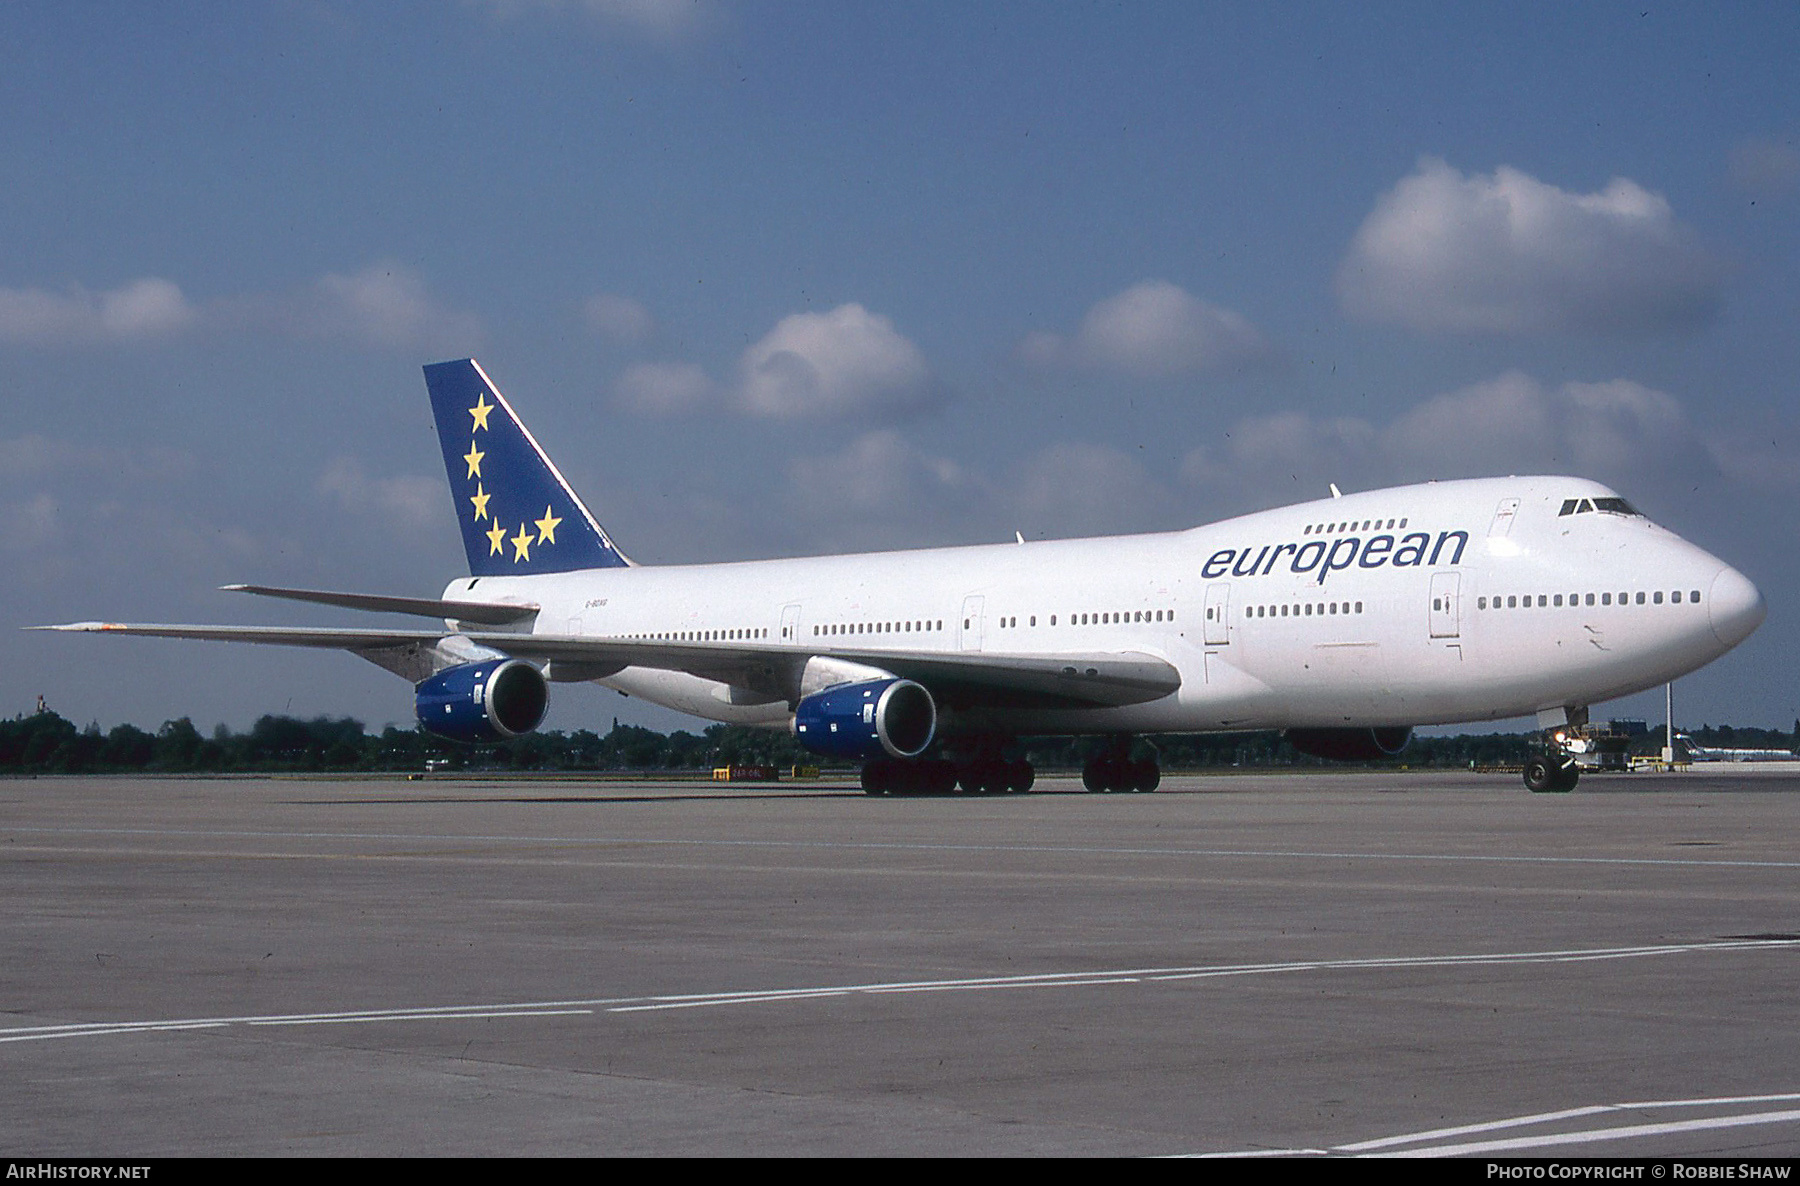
522 545
473 457
480 411
480 499
496 537
547 528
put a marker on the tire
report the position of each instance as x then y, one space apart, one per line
874 778
1544 776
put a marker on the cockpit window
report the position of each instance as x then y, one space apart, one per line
1583 506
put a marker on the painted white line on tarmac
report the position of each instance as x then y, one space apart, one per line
578 842
1589 1136
1084 979
1428 1142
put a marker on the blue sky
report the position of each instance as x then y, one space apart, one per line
1058 268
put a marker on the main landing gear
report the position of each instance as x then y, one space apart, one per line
980 770
1114 769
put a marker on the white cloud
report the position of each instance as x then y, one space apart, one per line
847 363
1766 168
1154 329
408 501
879 473
1287 456
883 491
664 20
1616 431
35 457
664 389
139 310
1077 488
1506 253
618 319
878 492
384 304
28 527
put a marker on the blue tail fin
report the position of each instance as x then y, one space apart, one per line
517 513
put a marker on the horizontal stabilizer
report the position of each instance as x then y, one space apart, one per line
486 613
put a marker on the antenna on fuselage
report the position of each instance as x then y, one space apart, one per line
1335 492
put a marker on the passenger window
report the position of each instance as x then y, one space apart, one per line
1694 596
1658 598
1543 600
1481 603
1558 600
1640 599
1590 599
1606 599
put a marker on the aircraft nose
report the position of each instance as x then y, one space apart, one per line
1736 607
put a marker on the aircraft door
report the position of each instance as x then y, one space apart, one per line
1446 605
1504 515
971 623
790 625
1218 614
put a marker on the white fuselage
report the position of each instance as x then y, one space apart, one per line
1438 603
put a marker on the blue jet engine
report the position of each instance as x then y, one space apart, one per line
488 701
882 718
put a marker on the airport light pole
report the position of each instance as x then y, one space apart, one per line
1669 726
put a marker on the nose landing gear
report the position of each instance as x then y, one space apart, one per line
1551 773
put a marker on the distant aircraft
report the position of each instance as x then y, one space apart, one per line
1344 622
1712 753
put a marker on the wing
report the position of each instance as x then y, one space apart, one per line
1098 679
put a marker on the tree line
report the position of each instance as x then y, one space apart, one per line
45 743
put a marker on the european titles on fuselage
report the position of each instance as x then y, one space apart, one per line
1328 556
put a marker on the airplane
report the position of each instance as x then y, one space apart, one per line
1714 753
1344 622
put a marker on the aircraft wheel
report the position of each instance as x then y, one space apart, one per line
1567 777
1542 776
1145 775
874 778
1091 779
1020 776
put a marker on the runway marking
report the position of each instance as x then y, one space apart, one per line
1086 979
1422 1143
899 846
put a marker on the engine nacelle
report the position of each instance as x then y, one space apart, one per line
1351 745
894 718
487 701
